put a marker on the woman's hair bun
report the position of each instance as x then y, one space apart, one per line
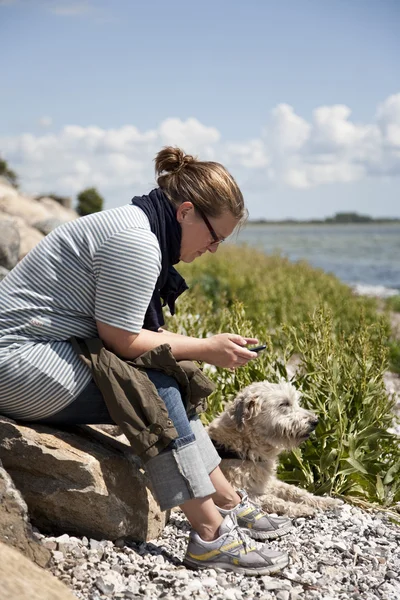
171 160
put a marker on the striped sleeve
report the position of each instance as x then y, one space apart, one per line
126 268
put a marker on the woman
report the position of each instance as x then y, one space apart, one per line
102 276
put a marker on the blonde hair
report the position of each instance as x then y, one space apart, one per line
207 184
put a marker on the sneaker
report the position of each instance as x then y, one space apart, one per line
233 550
256 522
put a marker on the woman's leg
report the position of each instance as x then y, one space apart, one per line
88 408
225 496
250 516
183 474
203 516
179 471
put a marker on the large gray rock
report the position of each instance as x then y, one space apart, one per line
3 272
57 210
78 485
22 580
15 529
6 189
47 225
65 201
25 207
29 236
9 244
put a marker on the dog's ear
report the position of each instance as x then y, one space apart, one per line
245 409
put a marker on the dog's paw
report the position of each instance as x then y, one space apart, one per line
301 510
327 503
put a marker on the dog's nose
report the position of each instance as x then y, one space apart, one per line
314 422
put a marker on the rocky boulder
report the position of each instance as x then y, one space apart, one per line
30 236
9 244
6 189
15 529
3 272
22 206
47 225
31 218
74 483
22 580
57 210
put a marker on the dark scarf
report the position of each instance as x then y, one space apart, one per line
162 217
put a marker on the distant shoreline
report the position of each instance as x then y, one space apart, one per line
382 221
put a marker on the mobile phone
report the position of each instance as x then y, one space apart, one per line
257 348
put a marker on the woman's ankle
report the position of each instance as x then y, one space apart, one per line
204 517
226 501
208 533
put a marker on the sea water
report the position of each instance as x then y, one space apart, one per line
365 256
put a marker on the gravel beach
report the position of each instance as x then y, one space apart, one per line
349 553
346 554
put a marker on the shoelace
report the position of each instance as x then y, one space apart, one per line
244 538
246 500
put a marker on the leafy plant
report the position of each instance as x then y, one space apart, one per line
89 201
344 346
393 303
8 173
341 380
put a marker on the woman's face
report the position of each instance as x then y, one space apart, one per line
196 235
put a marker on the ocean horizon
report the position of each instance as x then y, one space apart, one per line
366 256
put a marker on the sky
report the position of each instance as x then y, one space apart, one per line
300 100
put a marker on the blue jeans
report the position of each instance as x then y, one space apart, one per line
181 471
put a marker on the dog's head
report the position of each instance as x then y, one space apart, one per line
271 411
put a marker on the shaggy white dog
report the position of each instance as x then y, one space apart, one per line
263 420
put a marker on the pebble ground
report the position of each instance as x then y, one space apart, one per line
348 553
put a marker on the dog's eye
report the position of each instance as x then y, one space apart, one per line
284 404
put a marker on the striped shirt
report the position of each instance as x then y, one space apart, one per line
101 267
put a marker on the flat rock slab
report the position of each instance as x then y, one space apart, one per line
15 529
23 580
77 485
9 244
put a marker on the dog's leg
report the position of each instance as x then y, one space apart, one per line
292 493
272 504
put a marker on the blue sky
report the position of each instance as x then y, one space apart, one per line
299 99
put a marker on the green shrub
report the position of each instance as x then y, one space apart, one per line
393 303
394 355
342 381
344 347
8 173
89 201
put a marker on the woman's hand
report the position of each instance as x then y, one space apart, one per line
228 350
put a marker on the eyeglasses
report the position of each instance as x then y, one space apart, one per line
216 239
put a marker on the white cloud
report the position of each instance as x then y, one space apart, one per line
190 133
251 155
389 120
290 151
45 121
332 148
286 131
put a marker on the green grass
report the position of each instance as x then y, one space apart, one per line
393 303
345 347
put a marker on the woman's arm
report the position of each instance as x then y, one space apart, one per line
222 350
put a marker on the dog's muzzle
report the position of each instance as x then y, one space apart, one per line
312 424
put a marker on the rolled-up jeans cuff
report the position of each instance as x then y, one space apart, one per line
179 475
209 455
